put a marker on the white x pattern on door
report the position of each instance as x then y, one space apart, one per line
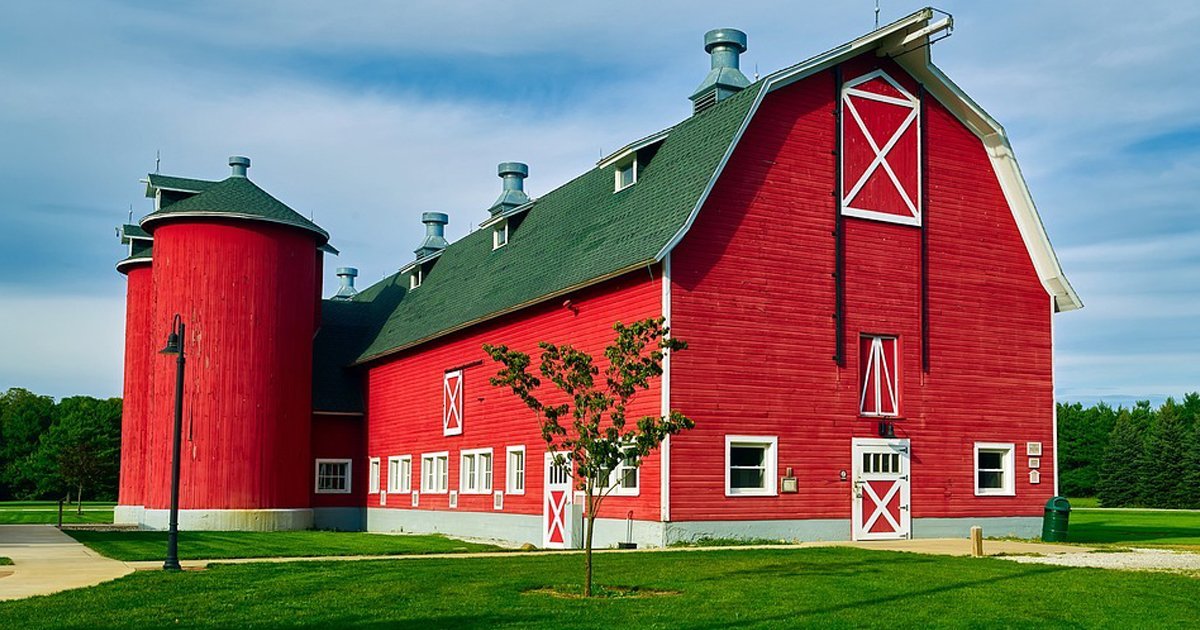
880 150
452 398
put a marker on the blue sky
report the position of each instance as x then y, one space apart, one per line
367 114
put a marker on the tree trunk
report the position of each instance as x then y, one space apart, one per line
79 501
587 553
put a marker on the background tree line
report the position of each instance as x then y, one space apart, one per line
70 448
1135 457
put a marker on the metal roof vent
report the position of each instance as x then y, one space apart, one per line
346 288
724 45
239 164
513 193
435 233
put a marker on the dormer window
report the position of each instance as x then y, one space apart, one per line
500 235
415 278
626 174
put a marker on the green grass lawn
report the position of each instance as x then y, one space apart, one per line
821 587
214 545
1140 527
37 512
1085 502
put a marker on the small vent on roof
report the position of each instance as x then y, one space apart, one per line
239 164
724 45
346 288
435 233
513 192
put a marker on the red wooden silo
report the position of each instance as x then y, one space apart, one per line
139 351
238 267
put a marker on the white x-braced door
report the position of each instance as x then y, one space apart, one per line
558 490
881 489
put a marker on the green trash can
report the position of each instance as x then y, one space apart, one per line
1054 520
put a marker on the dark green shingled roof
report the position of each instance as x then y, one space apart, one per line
154 180
240 198
573 236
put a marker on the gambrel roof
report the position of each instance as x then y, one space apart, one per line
583 233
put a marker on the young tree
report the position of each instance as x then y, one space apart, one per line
81 450
1122 464
588 420
24 417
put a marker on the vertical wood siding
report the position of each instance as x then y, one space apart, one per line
405 396
245 291
139 352
340 437
753 293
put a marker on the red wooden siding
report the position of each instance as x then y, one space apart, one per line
245 291
339 437
753 294
406 397
139 352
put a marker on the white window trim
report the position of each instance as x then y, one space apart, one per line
508 470
442 481
877 386
620 166
497 230
374 471
399 463
1009 463
457 397
480 475
770 475
415 278
317 472
614 475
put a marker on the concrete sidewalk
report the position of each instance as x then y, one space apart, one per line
46 560
934 546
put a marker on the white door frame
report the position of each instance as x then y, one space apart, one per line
902 485
557 513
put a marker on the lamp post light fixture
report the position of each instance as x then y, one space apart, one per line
175 347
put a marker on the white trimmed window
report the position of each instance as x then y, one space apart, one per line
475 475
373 478
332 476
879 375
400 474
500 235
750 465
435 472
622 480
514 470
415 278
626 174
994 463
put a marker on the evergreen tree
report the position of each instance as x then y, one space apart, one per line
1119 475
1164 462
1193 475
24 417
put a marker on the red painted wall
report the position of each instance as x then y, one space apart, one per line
139 351
339 437
245 292
753 294
405 402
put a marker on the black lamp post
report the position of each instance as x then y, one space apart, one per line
175 347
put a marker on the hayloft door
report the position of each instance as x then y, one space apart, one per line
881 489
556 505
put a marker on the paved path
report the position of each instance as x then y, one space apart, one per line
46 560
936 546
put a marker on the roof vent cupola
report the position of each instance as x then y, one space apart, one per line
239 164
513 193
725 78
346 288
435 233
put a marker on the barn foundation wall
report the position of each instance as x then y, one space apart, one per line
343 519
128 514
509 529
231 520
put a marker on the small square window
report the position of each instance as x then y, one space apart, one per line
994 469
626 174
514 482
332 476
415 278
435 472
750 465
374 475
476 472
622 480
500 235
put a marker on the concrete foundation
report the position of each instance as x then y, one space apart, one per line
230 520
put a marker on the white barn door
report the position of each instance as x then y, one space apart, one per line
881 489
558 480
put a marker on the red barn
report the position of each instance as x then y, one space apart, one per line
847 245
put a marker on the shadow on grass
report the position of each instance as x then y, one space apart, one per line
1117 531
